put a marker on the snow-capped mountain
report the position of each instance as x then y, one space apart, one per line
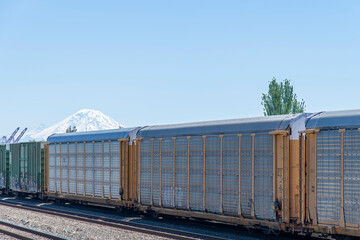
84 120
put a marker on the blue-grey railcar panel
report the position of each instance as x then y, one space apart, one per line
181 172
232 126
199 158
328 175
334 119
145 171
212 174
156 173
167 173
107 135
196 173
352 176
246 175
263 171
231 175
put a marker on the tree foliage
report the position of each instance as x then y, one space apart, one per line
281 99
69 129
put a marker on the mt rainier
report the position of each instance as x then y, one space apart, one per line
84 120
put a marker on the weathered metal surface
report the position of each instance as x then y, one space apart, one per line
352 177
89 169
328 175
100 135
201 173
231 126
26 167
334 119
264 177
3 167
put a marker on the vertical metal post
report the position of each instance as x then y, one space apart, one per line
253 178
342 215
174 178
160 198
274 173
221 174
103 169
76 169
239 204
110 195
204 175
152 171
68 168
60 170
84 168
188 173
93 161
138 168
55 187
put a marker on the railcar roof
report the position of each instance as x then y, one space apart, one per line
334 119
91 135
256 124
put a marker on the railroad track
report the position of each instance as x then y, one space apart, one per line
19 232
116 223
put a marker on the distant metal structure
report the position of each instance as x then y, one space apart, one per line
11 138
20 136
12 135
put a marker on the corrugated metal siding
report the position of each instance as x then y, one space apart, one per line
329 175
26 167
85 169
3 167
263 171
352 176
197 154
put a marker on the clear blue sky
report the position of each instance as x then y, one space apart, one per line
155 62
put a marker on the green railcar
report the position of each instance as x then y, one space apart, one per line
4 168
26 168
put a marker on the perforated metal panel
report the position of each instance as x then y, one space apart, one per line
263 176
231 174
181 172
212 174
89 169
246 175
352 176
156 173
328 175
145 171
196 173
167 173
198 159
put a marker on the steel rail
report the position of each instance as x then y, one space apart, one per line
28 230
116 223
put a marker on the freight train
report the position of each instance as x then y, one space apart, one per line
296 173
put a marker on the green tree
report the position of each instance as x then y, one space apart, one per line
281 99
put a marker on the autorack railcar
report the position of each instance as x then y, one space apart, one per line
90 167
332 178
243 171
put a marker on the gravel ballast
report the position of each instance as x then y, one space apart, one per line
64 227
